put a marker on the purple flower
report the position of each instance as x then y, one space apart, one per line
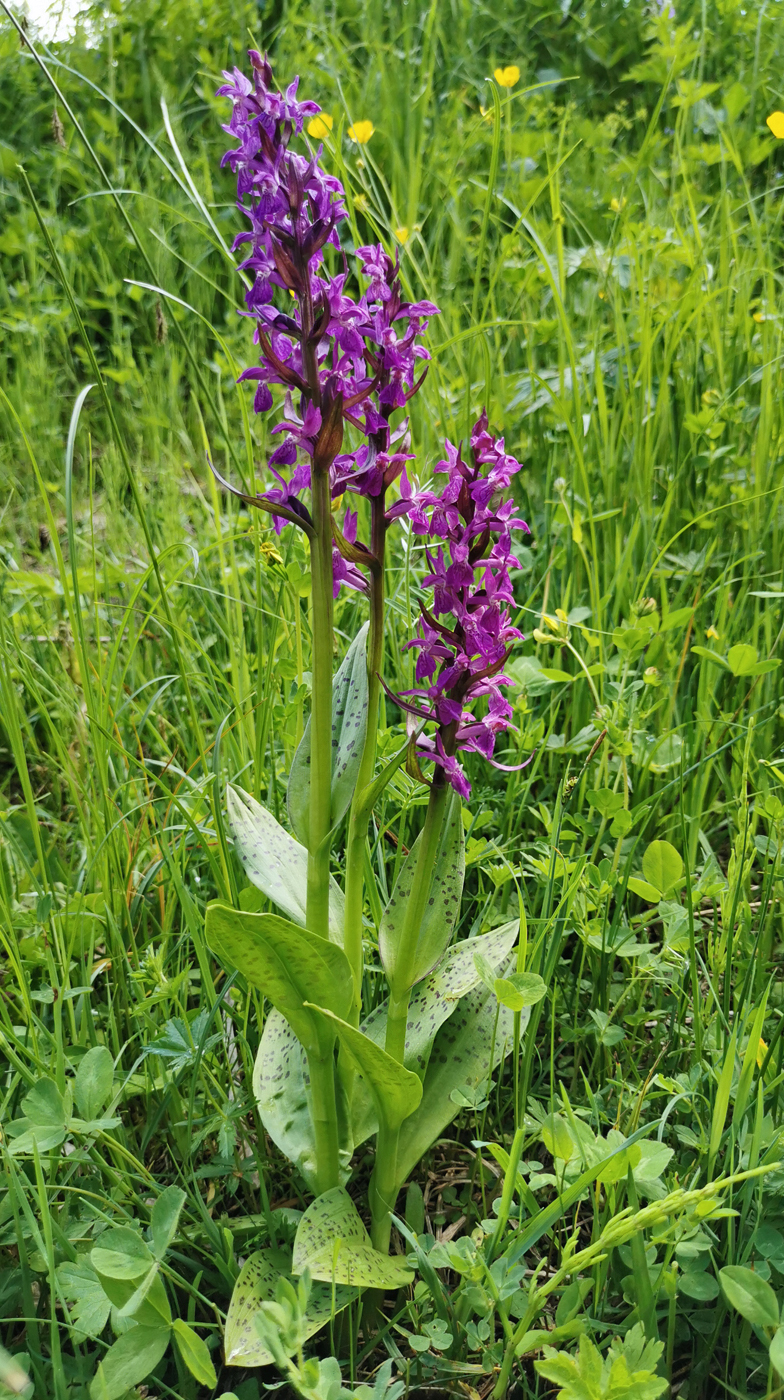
326 345
343 571
462 663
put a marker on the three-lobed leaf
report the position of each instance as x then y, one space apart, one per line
128 1273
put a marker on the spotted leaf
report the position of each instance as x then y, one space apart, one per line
349 723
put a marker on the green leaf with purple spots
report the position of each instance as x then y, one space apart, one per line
275 863
349 723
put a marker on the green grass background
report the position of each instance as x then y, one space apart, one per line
604 242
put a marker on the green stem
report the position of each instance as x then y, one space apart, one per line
400 987
323 1110
317 916
384 1187
359 816
510 1185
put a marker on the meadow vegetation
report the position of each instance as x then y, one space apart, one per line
601 228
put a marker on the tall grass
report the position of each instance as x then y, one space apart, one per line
604 242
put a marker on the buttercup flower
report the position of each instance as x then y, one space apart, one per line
776 123
361 132
507 77
320 126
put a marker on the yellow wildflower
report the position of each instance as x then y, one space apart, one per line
507 77
618 204
320 126
711 634
776 123
487 114
361 202
401 234
759 316
361 132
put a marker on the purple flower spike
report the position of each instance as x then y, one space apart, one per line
461 663
324 343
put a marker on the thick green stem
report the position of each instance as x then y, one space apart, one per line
359 816
321 1068
384 1187
321 711
323 1109
400 988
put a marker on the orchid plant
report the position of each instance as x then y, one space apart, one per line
329 1076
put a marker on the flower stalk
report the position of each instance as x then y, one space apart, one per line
359 814
349 362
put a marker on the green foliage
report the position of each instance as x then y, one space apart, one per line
628 1372
617 229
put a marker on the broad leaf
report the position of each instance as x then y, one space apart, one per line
468 1047
93 1084
641 887
333 1244
164 1219
753 1298
44 1106
195 1353
282 1088
122 1253
777 1350
275 863
396 1090
432 1003
129 1362
742 661
256 1285
662 866
89 1305
557 1138
712 656
441 908
349 723
128 1275
520 989
289 965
